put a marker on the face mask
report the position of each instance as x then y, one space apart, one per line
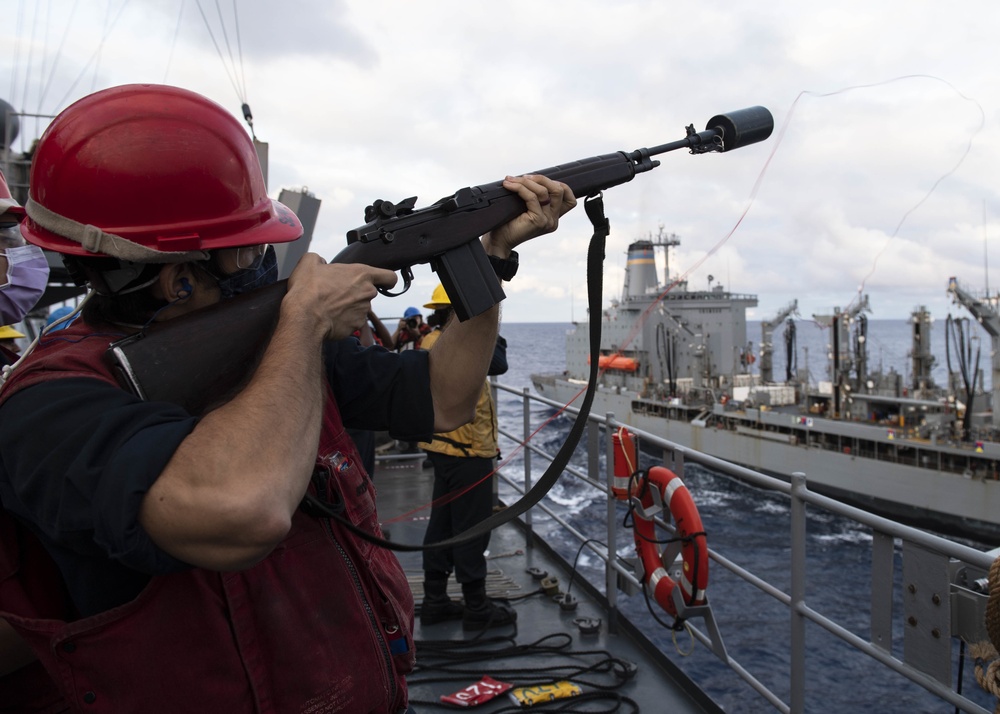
264 272
27 275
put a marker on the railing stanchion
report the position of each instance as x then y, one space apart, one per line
525 436
798 594
610 574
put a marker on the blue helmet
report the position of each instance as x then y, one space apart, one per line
411 312
57 314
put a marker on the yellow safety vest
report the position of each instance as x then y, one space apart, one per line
478 437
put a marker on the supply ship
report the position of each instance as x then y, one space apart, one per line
675 362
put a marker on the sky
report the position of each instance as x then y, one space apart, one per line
880 177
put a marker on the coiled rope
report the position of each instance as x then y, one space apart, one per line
985 653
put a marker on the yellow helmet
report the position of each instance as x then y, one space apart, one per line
9 333
439 299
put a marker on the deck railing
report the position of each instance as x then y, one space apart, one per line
944 581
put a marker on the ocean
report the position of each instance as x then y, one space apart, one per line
750 527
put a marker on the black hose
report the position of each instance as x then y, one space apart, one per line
791 355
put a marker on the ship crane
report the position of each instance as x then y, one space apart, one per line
766 346
841 354
986 315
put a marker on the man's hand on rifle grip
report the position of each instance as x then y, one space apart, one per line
336 297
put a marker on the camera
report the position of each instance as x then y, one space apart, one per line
411 322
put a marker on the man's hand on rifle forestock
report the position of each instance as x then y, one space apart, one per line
545 202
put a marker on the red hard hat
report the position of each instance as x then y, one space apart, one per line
163 168
7 202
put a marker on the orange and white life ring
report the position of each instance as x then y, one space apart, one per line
662 488
658 490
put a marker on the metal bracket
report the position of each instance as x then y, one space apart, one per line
705 613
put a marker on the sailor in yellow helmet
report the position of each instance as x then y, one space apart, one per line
8 341
441 305
463 460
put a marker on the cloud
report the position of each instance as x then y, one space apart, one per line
865 182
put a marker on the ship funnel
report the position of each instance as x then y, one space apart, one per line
640 270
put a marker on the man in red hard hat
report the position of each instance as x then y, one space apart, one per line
165 564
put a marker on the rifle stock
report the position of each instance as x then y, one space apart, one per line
201 359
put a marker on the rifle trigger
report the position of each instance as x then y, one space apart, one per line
407 279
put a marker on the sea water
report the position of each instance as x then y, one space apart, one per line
750 527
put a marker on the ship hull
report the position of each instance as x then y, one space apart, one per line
953 503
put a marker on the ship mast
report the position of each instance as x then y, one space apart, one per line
667 241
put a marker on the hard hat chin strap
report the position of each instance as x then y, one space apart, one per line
94 240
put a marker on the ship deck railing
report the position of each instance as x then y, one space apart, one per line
928 563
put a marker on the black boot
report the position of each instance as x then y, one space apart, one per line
482 612
437 606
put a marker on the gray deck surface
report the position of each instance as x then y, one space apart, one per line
657 687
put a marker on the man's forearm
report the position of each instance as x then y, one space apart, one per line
230 488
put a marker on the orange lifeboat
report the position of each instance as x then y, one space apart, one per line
625 364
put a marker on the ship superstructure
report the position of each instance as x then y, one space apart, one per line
666 340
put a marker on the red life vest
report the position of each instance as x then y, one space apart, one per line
323 624
7 356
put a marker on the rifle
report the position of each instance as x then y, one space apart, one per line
445 234
229 337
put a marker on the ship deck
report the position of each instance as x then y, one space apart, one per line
547 645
